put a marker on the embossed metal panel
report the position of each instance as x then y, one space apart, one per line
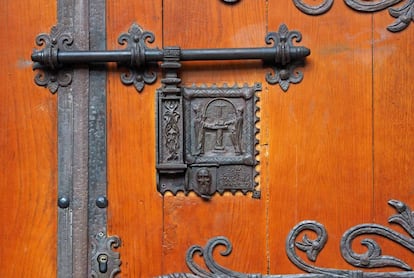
207 140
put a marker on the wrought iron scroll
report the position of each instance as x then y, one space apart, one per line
285 71
51 74
404 14
135 41
313 245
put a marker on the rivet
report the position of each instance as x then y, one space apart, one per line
63 202
284 74
101 202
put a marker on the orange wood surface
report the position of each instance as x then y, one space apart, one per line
320 133
28 147
333 149
135 210
393 123
242 219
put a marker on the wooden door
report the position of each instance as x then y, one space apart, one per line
28 147
333 149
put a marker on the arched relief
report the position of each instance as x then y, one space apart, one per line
215 148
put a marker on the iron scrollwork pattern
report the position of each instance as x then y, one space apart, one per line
51 74
135 41
312 246
285 73
403 14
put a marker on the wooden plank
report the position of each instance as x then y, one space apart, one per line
320 135
188 220
393 125
135 207
28 147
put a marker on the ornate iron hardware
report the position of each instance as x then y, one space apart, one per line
104 261
59 54
207 139
372 258
404 14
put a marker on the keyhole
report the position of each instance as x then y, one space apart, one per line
103 263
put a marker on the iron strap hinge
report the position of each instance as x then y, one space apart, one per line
58 54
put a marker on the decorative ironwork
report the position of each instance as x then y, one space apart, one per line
284 68
104 261
171 130
372 258
135 40
51 75
138 58
313 9
218 127
403 14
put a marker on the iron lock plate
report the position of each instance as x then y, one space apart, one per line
207 140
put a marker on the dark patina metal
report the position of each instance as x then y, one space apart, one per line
72 105
63 202
105 262
101 202
207 139
52 75
81 138
372 258
283 56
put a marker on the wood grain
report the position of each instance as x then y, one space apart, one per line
188 220
393 124
320 133
135 209
28 149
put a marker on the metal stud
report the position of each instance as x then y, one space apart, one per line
101 202
63 202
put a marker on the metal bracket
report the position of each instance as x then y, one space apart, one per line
58 56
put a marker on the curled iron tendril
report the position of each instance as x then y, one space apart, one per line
404 14
312 244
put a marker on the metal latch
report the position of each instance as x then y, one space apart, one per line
58 56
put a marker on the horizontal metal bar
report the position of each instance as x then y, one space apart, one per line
155 55
263 53
58 50
88 57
